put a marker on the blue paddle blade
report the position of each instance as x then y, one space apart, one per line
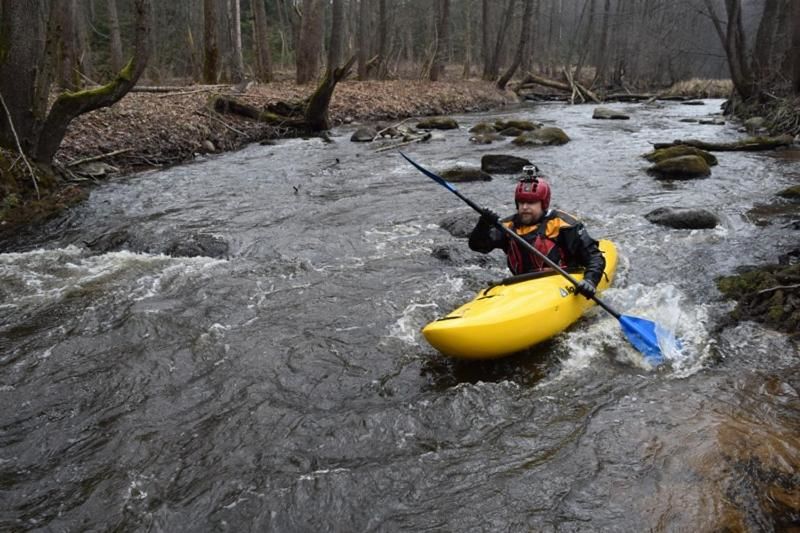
642 335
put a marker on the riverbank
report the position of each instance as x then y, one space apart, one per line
159 129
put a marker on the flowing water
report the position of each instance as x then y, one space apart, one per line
284 385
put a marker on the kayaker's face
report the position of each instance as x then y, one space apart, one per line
530 212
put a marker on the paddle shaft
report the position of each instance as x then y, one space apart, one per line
525 244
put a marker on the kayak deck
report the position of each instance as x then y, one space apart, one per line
509 317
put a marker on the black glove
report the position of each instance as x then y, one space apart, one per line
586 288
489 217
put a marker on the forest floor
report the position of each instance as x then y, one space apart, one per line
158 129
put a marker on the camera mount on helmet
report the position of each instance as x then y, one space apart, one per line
531 173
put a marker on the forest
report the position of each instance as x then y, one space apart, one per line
76 56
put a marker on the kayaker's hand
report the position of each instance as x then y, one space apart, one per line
586 288
489 217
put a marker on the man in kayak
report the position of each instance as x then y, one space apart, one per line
559 236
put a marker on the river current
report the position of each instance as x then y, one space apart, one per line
284 385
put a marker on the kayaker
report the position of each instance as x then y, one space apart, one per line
558 235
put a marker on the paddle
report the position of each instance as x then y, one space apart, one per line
641 333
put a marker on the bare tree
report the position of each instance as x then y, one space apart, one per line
383 40
733 40
442 37
263 56
523 42
310 42
25 83
236 26
363 39
336 40
210 43
492 69
794 53
116 36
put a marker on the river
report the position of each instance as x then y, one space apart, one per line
284 385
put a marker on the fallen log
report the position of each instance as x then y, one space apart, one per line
572 87
751 144
309 115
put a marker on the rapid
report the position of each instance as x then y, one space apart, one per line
283 383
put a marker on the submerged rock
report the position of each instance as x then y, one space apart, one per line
605 113
460 223
542 137
503 164
461 174
684 167
438 123
683 218
485 138
198 245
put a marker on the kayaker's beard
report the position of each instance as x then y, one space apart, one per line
527 219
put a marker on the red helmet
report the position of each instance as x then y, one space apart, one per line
533 190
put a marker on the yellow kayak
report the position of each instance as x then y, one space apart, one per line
515 315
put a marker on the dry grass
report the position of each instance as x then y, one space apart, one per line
697 88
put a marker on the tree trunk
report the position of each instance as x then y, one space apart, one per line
794 53
732 38
210 43
601 61
442 22
116 37
337 23
67 58
236 24
383 40
263 55
494 64
762 51
310 41
523 42
363 39
486 54
25 89
468 42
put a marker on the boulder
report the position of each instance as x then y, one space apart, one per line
683 218
482 128
693 102
511 132
459 224
677 151
693 120
524 125
605 113
198 245
503 164
684 167
542 137
365 134
712 122
438 123
462 174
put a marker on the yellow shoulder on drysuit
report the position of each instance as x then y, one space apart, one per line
560 221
